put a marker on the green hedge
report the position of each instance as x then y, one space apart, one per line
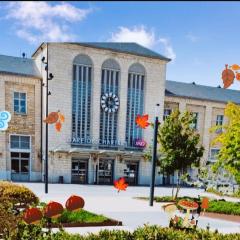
224 207
143 233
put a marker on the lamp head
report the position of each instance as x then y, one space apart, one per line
50 77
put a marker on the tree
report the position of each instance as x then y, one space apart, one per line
228 157
179 145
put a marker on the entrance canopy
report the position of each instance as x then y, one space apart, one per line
100 152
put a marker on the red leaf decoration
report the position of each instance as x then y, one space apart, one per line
120 184
142 121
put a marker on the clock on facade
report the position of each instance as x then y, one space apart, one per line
110 102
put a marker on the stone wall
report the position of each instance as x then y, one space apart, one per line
208 111
28 124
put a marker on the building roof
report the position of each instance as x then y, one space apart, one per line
19 66
125 47
196 91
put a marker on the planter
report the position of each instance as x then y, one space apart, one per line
109 222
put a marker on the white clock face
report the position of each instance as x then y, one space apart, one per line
110 102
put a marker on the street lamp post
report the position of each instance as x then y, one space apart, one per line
154 157
49 76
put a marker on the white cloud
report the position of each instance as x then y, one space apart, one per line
146 37
137 34
168 48
43 21
192 37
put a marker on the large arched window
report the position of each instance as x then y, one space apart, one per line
135 100
109 102
81 102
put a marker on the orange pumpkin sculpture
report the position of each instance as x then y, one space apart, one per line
227 76
53 210
74 203
32 216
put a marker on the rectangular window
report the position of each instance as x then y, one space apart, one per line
195 121
219 120
213 153
20 142
167 112
20 103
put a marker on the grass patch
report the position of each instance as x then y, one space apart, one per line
81 216
215 206
232 208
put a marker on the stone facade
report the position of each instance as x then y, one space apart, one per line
21 124
61 65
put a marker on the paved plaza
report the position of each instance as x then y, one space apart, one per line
123 207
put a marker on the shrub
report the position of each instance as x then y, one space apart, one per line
8 222
17 194
143 233
12 198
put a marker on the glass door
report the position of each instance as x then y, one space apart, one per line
105 171
20 166
80 171
131 173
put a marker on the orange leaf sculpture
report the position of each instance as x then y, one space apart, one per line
58 126
227 77
53 210
120 184
205 203
32 216
74 203
57 118
52 118
142 121
235 67
61 117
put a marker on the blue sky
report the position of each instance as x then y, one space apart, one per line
200 37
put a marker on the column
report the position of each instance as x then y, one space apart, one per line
96 95
123 103
206 134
